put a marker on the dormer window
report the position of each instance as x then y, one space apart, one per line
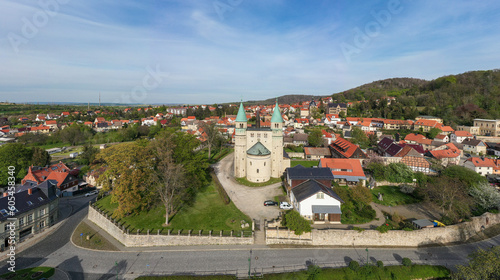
29 203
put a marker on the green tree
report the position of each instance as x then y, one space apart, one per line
88 154
433 132
483 264
40 157
75 134
467 176
294 221
17 156
315 138
129 168
359 137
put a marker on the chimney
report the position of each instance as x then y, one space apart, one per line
30 191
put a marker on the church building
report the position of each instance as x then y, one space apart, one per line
258 152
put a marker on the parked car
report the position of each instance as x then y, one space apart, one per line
285 205
270 203
92 193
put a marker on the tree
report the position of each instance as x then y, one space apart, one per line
359 137
361 194
40 157
433 132
88 154
450 194
315 138
212 136
469 177
169 177
129 168
483 264
486 196
16 155
75 134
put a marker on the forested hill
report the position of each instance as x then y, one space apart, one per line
285 99
458 99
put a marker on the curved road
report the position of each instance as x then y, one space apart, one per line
58 251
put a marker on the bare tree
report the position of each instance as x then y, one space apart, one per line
169 178
212 136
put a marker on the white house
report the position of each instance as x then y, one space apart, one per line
460 136
481 165
316 202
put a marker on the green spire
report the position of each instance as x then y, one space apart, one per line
241 117
277 114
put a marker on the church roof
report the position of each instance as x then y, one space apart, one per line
258 150
277 115
241 117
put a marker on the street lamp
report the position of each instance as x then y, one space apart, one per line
250 263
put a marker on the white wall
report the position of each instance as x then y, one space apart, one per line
305 207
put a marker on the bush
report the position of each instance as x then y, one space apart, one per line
354 265
383 228
406 262
313 271
294 221
407 189
380 264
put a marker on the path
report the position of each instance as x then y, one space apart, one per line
250 200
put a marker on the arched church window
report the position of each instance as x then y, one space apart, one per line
257 170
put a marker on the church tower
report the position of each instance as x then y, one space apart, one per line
240 143
277 148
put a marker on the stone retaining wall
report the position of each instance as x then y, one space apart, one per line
132 240
397 238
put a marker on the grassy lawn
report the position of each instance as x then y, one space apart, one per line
28 273
245 182
96 241
392 196
305 163
55 145
69 151
208 212
365 272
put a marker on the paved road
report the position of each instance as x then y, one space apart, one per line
250 200
57 251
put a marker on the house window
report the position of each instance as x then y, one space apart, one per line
264 164
42 224
265 135
250 163
42 212
320 195
251 134
258 135
30 218
21 222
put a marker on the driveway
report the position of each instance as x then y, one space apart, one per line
250 200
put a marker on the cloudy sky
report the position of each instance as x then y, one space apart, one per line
195 51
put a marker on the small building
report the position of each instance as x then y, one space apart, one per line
316 153
423 223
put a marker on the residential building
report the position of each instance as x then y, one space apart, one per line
474 146
316 202
474 130
488 127
299 174
442 138
447 154
345 171
336 108
36 209
482 165
300 139
431 118
58 172
460 136
342 148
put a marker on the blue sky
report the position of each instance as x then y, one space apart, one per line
194 51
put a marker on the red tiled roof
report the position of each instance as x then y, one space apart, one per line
463 134
414 137
352 167
482 162
344 147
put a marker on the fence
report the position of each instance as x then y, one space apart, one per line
132 237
